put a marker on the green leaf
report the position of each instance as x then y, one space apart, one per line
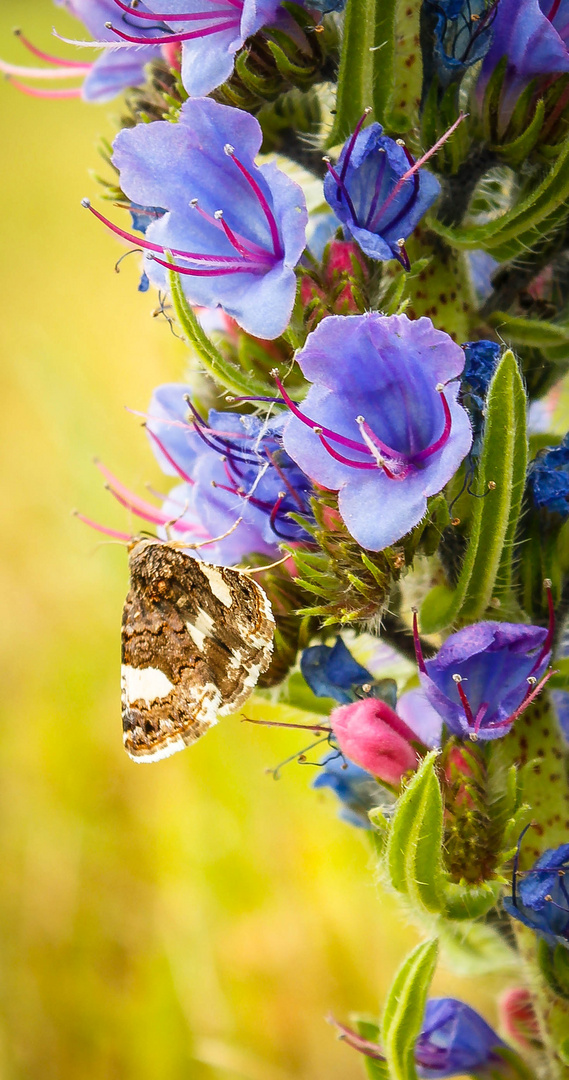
404 1009
413 855
516 151
543 209
220 369
487 566
366 61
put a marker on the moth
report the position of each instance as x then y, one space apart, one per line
195 639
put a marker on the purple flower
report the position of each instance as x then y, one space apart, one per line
231 466
485 675
235 230
548 479
210 32
454 1039
379 193
333 672
381 424
355 788
541 899
534 36
102 80
454 35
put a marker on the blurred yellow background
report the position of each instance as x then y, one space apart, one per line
191 919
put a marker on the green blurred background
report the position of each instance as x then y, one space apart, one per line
191 919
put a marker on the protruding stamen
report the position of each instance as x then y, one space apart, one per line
173 39
171 461
350 444
42 92
352 142
270 217
417 643
342 189
168 16
79 66
546 647
422 455
124 537
457 679
375 444
421 161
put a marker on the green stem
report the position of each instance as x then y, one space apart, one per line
220 369
536 743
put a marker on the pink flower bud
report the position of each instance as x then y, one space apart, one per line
518 1018
371 734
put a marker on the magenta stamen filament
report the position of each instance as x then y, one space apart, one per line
141 507
464 700
168 17
171 461
352 143
124 537
81 66
42 92
249 245
174 39
553 10
218 264
273 227
421 161
546 647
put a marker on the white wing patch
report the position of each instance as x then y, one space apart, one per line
144 684
217 584
200 629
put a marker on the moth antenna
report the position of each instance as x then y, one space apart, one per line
174 521
203 543
257 569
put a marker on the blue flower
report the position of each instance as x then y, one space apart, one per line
235 230
381 424
548 479
102 80
480 360
454 35
210 32
355 788
231 466
485 675
454 1040
333 672
534 36
378 192
541 899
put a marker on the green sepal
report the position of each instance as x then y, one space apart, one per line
404 1010
540 212
486 572
516 151
369 1030
223 371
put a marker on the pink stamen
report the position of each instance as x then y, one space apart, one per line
417 643
421 161
340 457
282 475
480 716
343 189
140 507
168 17
465 701
250 246
41 92
350 444
126 537
262 200
228 260
527 701
553 10
173 39
41 55
168 456
394 455
443 439
276 509
206 273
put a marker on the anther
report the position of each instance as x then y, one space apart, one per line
457 678
547 583
439 387
400 142
86 203
455 521
401 242
531 679
218 214
366 687
548 897
229 149
318 430
193 203
491 485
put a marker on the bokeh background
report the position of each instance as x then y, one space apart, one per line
191 920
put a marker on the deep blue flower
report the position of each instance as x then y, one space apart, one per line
548 479
331 671
540 898
534 36
231 466
235 230
485 675
109 75
379 193
480 360
355 788
210 32
384 429
454 1040
454 35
